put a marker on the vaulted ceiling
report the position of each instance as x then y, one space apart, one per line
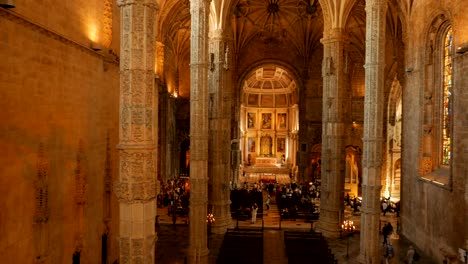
269 86
297 25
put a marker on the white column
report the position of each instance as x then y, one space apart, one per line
220 136
199 58
333 150
373 130
136 185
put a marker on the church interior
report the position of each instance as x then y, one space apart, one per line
106 103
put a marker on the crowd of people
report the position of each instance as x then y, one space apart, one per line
294 200
175 195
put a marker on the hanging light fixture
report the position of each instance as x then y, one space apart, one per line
7 3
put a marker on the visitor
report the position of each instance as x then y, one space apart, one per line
254 212
384 207
388 252
410 255
267 203
386 230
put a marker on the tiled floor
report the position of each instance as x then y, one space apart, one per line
173 239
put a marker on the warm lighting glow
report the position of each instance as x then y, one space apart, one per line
210 218
92 32
348 226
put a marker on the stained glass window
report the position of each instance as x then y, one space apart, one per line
447 100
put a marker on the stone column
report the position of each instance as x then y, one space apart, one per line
373 130
136 185
333 150
198 245
220 135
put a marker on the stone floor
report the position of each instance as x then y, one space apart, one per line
173 239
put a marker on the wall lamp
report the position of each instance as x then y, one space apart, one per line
95 46
462 48
7 3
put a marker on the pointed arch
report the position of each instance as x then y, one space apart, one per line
435 159
336 13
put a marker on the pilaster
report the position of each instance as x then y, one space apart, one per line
137 184
373 134
333 150
198 244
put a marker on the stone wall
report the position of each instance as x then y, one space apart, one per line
434 216
58 135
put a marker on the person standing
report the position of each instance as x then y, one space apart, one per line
385 232
390 230
267 203
254 213
384 207
410 255
388 252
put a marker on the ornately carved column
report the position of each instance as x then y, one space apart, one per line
136 186
373 130
220 134
333 150
198 247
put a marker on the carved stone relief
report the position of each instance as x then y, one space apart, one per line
81 177
107 22
41 188
108 167
426 165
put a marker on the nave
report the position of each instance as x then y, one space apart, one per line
173 239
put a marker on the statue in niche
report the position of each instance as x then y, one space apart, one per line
265 146
251 145
281 143
282 121
250 120
266 121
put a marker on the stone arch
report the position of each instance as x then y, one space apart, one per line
431 129
268 115
219 14
292 70
394 96
401 11
396 179
441 19
336 16
394 137
353 170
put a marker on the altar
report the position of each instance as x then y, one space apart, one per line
265 162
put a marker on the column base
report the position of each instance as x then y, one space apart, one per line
329 229
221 225
199 256
329 223
361 258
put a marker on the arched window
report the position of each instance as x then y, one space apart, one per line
438 101
447 100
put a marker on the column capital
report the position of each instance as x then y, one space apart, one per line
333 35
217 34
196 3
150 3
